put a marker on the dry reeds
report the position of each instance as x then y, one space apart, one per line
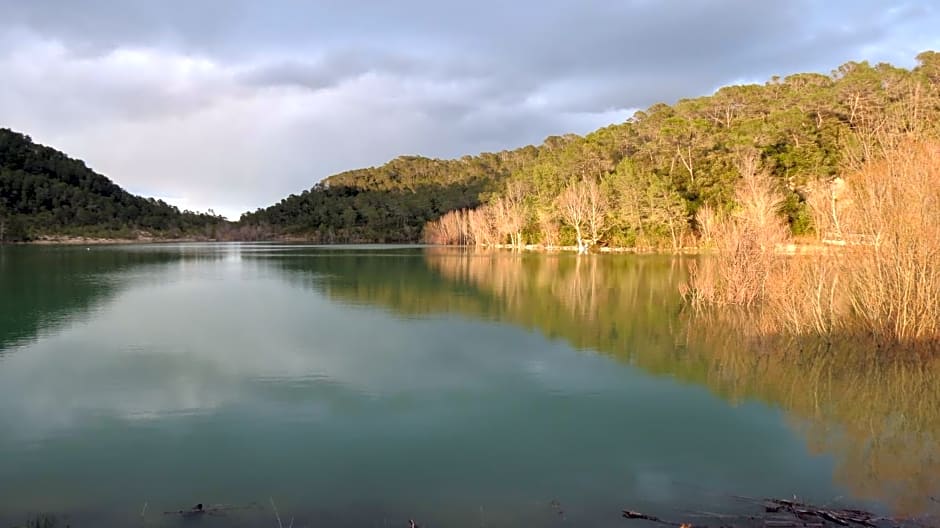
452 228
894 272
745 241
883 284
480 226
805 299
488 225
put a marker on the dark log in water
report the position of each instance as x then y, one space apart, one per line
199 510
630 514
842 517
784 513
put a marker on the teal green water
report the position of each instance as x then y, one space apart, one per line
364 386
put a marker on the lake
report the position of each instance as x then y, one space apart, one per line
369 385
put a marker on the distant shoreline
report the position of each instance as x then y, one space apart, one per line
98 241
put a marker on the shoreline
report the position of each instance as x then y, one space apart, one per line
99 241
792 248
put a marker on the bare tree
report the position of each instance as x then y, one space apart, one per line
452 228
584 206
510 213
759 203
746 242
826 206
482 226
706 220
517 211
893 277
572 204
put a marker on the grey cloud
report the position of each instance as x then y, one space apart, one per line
302 74
235 103
329 70
520 46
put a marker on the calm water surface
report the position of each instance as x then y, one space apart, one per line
370 385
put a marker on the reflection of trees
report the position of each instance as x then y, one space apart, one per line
43 287
879 417
596 302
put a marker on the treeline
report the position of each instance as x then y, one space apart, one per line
641 183
390 203
43 192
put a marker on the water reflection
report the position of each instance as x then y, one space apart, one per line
44 288
880 417
218 374
403 382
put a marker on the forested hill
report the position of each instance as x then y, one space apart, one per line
44 192
390 203
655 170
646 177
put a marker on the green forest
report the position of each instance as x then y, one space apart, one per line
637 183
644 179
391 203
43 192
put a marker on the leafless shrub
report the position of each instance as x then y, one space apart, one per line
827 202
745 242
482 225
452 228
805 298
894 273
883 285
706 221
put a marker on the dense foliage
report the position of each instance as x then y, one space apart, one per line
390 203
44 192
644 180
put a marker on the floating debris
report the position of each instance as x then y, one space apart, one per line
785 513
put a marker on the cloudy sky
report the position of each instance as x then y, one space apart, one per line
233 104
